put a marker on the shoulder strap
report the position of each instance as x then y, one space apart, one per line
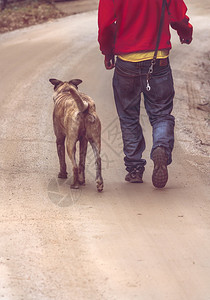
160 28
157 45
168 5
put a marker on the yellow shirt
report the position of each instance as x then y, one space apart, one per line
141 56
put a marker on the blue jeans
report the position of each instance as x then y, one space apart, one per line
129 82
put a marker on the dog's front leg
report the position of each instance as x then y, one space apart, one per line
61 154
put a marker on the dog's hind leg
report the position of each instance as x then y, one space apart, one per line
83 152
99 179
71 149
60 142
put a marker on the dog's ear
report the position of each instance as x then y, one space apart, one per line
75 82
55 82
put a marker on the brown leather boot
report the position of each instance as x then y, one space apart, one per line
135 176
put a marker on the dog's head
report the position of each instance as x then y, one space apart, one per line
64 85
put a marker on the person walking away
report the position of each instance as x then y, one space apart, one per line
138 33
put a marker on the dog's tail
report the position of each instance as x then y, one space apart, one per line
82 105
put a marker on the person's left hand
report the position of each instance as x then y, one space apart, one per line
109 62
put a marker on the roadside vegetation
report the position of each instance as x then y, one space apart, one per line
22 13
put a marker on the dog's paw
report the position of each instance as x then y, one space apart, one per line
74 186
81 178
62 175
81 182
99 186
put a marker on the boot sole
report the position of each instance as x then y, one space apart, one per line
160 172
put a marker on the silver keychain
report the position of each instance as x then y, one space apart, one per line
149 74
148 87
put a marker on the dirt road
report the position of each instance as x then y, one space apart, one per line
129 242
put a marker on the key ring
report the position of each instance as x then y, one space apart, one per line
148 87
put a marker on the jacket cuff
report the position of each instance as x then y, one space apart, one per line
183 28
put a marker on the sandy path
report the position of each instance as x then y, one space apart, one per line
129 242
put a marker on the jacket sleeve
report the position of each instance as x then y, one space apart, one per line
106 26
179 21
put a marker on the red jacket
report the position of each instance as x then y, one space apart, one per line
127 26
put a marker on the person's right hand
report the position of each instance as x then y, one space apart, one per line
109 62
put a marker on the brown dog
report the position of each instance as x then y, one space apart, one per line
75 119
